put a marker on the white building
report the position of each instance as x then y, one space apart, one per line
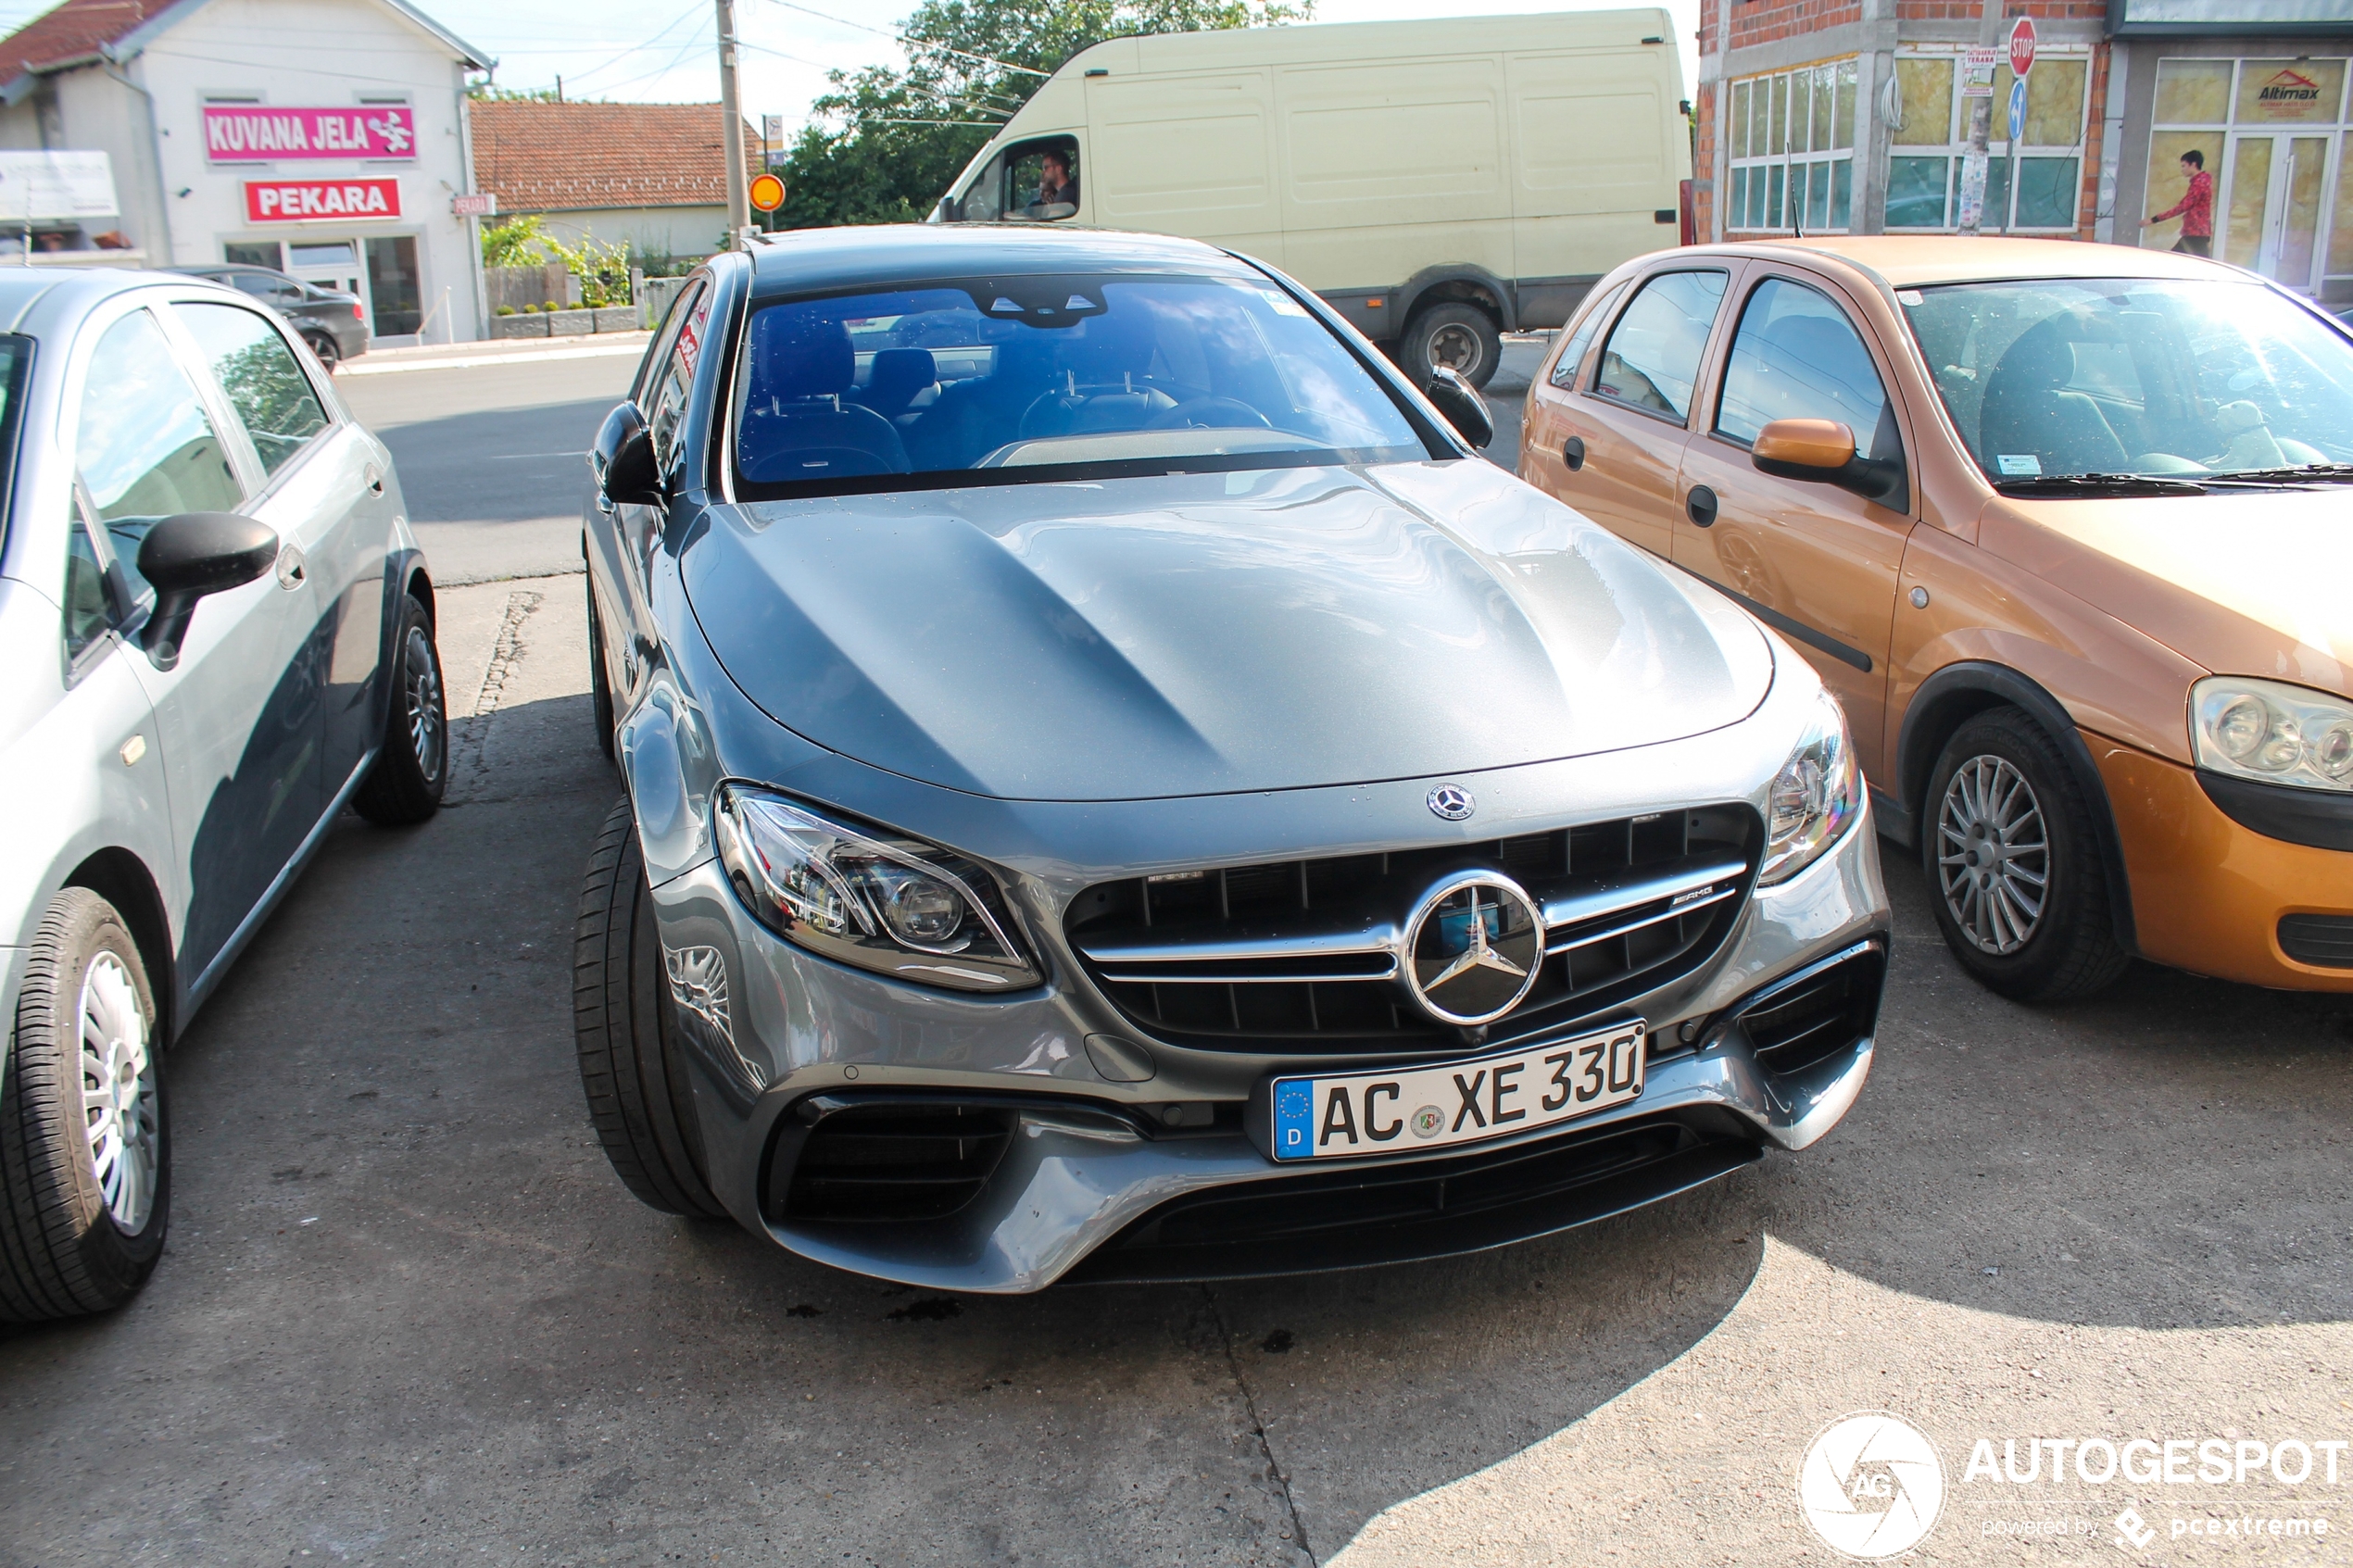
324 137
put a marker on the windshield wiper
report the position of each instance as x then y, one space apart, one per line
2309 473
2097 483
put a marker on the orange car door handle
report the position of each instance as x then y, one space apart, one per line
1573 453
1701 505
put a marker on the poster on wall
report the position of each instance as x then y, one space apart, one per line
265 133
45 186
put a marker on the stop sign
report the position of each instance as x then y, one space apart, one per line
2022 46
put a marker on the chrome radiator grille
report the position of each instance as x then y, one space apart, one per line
1302 956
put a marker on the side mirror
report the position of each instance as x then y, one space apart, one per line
1823 451
622 460
186 557
1462 405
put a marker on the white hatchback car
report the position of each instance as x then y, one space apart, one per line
219 631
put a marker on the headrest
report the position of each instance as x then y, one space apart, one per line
2040 360
801 353
896 371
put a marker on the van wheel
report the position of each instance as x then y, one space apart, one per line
2014 864
1460 337
85 1173
625 1027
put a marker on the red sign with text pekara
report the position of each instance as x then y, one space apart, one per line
314 201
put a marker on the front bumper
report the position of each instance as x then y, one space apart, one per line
2210 893
1087 1164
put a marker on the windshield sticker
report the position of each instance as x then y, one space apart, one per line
1909 297
2016 462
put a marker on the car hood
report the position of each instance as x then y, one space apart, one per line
2241 584
1206 634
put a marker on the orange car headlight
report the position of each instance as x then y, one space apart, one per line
2272 732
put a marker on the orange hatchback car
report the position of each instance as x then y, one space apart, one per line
2067 528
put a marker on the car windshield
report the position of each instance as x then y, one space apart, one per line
2116 376
1008 380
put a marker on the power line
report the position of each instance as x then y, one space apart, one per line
905 42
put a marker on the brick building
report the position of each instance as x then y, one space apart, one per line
1847 116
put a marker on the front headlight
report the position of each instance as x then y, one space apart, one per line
897 906
2268 730
1815 796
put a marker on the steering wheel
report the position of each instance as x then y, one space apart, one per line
1208 413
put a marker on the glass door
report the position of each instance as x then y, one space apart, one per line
2277 184
331 264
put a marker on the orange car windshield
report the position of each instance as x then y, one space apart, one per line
2056 378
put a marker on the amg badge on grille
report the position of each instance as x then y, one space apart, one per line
1452 802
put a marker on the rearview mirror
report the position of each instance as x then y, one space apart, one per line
1464 408
187 557
1823 451
621 458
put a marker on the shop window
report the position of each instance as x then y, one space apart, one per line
2191 92
392 284
1792 149
254 252
2270 131
1923 189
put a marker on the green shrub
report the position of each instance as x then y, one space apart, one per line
506 311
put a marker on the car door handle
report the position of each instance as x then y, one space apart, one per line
375 481
291 568
1573 453
1701 505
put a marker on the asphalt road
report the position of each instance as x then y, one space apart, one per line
408 1314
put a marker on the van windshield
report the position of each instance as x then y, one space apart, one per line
1017 380
2128 376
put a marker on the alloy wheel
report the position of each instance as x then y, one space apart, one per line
1994 855
1456 348
119 1092
421 684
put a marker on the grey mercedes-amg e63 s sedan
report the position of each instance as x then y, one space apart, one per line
1118 789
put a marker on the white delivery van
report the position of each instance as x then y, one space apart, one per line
1438 183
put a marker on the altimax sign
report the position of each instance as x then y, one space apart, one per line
261 133
308 201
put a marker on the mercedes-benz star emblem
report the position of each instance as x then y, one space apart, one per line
1452 802
1474 946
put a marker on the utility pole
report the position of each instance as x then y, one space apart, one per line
738 198
1981 125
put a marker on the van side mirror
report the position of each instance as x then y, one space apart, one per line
621 458
187 557
1823 451
1462 405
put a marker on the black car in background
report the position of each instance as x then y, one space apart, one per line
333 323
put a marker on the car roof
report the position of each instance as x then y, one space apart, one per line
1914 260
821 260
64 293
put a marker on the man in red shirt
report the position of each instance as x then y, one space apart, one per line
2195 209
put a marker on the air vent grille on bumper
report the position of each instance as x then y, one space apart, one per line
2325 941
1301 956
889 1162
1818 1014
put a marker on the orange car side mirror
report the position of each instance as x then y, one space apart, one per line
1823 451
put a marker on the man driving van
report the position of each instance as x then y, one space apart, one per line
1055 184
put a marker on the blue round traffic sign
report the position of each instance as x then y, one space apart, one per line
2017 109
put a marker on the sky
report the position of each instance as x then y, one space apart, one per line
646 51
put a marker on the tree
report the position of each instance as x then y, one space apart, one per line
516 242
888 140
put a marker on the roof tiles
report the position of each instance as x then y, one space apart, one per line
540 156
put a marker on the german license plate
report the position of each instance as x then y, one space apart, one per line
1335 1115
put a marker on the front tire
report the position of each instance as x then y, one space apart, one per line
630 1066
2014 867
1460 337
412 772
85 1173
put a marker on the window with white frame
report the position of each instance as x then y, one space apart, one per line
1929 132
1792 140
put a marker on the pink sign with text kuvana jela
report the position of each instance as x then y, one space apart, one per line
263 133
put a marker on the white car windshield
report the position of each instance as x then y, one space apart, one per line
2056 378
1000 381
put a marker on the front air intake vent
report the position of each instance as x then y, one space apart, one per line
1816 1015
1299 956
2323 941
890 1162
